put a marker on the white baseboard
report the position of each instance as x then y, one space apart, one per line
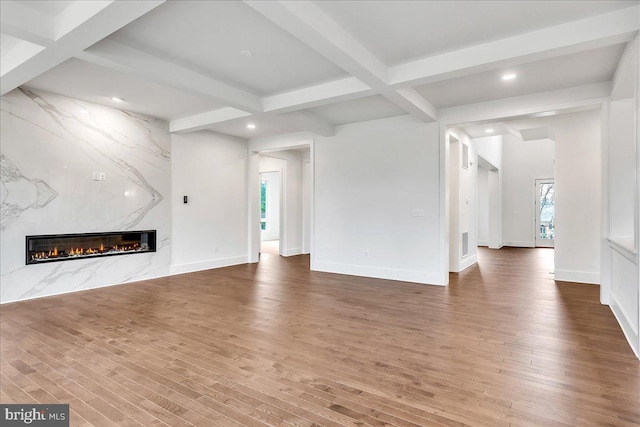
625 324
424 277
520 244
482 243
207 265
590 277
292 252
468 262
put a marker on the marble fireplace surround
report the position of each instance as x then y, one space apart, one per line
51 148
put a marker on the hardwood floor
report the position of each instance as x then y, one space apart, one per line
276 344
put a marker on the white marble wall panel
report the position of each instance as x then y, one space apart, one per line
50 147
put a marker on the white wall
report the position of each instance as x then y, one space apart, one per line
51 145
621 231
368 178
522 163
306 201
622 128
578 201
483 206
455 147
462 202
210 231
490 149
468 205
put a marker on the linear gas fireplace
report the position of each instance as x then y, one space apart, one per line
65 247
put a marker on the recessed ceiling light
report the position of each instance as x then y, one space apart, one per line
509 76
246 53
251 126
489 131
116 99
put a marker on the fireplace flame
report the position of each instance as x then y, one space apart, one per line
55 253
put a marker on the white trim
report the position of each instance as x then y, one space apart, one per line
626 326
624 247
443 151
520 244
292 252
423 277
590 277
467 262
482 243
605 228
207 265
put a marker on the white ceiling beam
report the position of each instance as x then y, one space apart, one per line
534 134
302 120
84 25
295 100
308 23
18 55
24 23
120 57
205 120
307 121
580 96
590 33
409 99
313 96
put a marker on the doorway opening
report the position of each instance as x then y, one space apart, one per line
270 207
280 198
545 219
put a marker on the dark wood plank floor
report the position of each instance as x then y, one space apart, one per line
275 344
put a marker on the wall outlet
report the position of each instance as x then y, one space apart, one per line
366 253
99 176
417 212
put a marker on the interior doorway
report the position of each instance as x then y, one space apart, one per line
270 208
280 201
545 219
489 223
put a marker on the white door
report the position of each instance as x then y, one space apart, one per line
545 213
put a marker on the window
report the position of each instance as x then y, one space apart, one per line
263 205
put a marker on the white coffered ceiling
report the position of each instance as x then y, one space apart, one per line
577 69
312 64
400 31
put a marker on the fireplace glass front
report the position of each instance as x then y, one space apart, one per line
65 247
